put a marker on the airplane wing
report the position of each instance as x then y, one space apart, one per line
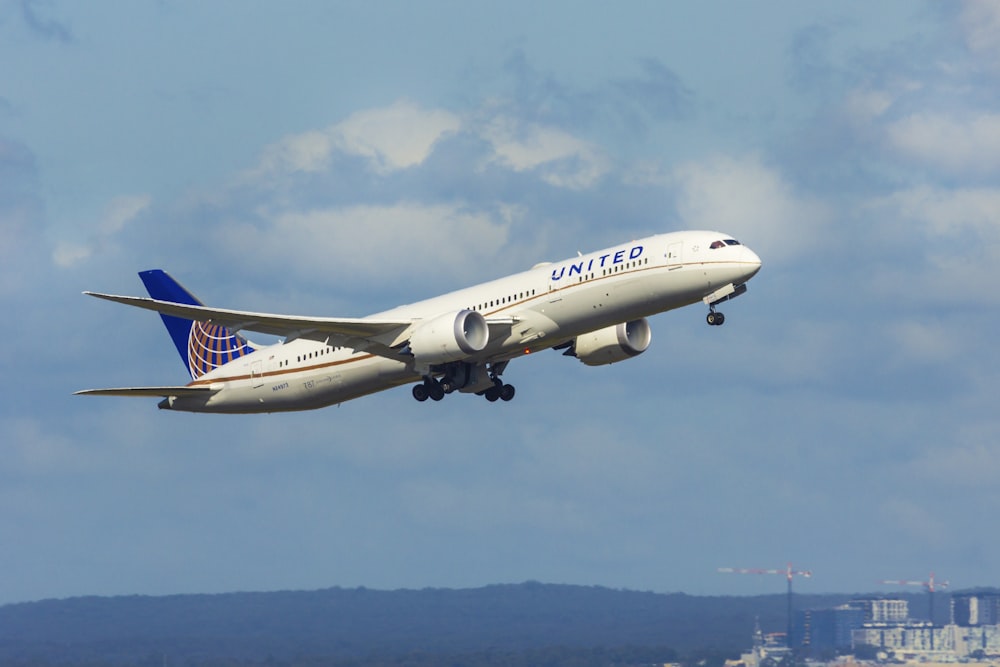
147 391
380 337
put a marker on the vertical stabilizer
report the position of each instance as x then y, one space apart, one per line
203 346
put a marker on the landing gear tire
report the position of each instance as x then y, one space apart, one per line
499 392
435 391
429 388
715 319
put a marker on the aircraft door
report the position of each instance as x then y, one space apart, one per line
556 281
675 253
553 281
256 374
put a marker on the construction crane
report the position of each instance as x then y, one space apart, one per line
931 585
789 573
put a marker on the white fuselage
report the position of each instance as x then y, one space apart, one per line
548 305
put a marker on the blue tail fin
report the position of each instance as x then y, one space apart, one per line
203 346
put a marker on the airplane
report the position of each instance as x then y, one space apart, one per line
592 307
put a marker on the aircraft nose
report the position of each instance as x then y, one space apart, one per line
752 260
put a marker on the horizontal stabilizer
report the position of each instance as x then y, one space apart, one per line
165 392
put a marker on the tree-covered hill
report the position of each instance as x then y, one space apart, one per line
362 623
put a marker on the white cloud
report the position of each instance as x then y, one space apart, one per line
560 159
746 198
953 239
374 242
865 104
119 212
960 145
950 212
868 102
391 138
396 137
306 152
403 136
67 253
980 21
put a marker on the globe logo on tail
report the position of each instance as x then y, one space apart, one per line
212 345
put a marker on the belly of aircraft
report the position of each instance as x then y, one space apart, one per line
303 390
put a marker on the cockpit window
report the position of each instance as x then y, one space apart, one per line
732 242
723 243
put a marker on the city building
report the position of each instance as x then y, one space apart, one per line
884 625
910 638
880 628
882 610
826 632
974 609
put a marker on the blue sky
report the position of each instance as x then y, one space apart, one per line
342 158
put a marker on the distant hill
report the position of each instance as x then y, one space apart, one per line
357 623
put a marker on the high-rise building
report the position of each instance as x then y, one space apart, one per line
882 610
974 609
827 631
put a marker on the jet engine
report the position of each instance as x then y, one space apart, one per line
450 337
612 344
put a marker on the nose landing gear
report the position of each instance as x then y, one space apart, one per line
724 293
715 319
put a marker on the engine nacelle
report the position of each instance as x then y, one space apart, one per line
450 337
612 344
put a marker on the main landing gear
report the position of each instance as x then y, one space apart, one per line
430 388
494 390
499 390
